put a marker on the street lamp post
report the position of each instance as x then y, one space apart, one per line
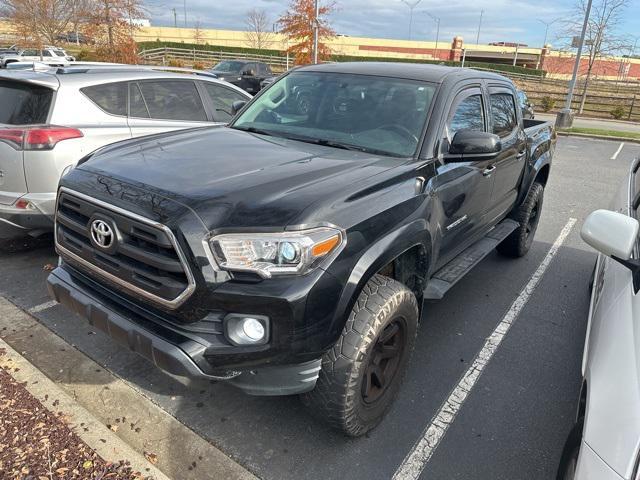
565 117
546 29
411 6
316 28
437 20
479 27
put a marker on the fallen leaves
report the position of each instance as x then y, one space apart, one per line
151 457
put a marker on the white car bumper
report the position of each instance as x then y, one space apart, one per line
592 467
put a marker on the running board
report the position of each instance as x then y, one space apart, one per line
452 272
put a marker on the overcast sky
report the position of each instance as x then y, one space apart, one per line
503 20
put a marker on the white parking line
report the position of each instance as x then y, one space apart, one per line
615 155
43 306
419 456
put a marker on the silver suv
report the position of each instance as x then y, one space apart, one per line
51 119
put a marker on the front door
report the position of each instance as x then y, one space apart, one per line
463 188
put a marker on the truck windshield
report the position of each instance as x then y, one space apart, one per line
228 67
369 113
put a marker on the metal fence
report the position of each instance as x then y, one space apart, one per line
165 55
602 98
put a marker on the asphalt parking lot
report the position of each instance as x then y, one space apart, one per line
512 424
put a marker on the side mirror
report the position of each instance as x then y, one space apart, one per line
612 234
472 142
237 106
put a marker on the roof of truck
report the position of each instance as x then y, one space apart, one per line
412 71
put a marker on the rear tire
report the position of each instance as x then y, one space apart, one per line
361 374
528 216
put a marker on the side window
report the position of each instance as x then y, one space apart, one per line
469 115
262 69
110 97
173 100
223 99
30 53
503 113
46 53
137 107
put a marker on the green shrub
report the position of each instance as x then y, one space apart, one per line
618 112
547 103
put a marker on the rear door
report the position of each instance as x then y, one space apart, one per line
21 104
509 164
463 187
157 106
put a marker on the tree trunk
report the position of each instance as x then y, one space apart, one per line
584 92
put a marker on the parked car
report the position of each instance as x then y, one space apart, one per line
525 105
49 54
50 119
75 37
245 74
290 252
604 443
8 50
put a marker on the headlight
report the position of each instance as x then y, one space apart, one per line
267 254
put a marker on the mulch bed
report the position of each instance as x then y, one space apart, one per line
36 444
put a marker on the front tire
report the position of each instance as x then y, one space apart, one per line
570 453
528 216
361 374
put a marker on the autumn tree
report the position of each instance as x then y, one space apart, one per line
257 31
601 38
113 28
298 24
40 22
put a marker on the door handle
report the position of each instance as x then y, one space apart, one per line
521 154
488 171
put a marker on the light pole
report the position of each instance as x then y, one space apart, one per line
411 6
565 117
437 20
546 30
479 26
316 28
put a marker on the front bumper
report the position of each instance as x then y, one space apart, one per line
180 350
17 222
592 467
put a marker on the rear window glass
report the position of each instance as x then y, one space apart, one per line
111 97
24 104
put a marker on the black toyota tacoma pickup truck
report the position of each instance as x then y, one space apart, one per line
291 251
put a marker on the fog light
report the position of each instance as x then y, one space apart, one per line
241 330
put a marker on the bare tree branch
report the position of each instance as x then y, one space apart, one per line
258 34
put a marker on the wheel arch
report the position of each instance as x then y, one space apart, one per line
395 251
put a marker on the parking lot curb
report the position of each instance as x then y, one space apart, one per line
96 435
598 137
118 409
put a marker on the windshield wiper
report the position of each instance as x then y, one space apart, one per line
350 146
259 131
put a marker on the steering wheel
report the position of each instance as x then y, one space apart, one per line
402 130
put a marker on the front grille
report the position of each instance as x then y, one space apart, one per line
139 255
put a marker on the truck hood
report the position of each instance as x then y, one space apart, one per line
231 178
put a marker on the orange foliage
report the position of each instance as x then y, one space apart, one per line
297 25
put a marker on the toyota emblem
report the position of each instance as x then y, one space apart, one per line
102 234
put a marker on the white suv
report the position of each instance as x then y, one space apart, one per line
46 54
51 119
605 441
